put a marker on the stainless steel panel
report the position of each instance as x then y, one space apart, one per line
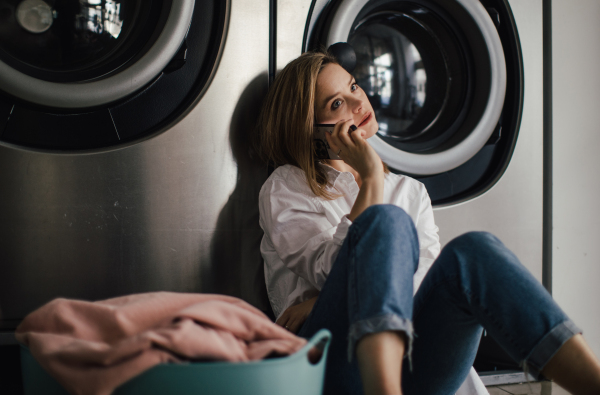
176 212
291 21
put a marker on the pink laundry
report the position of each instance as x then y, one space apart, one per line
93 347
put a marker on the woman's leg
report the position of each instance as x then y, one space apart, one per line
477 280
379 356
368 291
575 368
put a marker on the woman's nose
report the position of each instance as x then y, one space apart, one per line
357 106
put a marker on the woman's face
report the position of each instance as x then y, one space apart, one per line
339 98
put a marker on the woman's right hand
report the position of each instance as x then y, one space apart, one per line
355 150
359 154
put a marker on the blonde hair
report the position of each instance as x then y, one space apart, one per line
287 120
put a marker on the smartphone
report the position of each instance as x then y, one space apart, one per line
322 148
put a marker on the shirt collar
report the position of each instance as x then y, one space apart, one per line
334 175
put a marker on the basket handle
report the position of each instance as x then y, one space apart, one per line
320 340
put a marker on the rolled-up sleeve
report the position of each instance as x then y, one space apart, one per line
301 231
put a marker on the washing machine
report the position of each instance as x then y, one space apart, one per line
457 89
123 148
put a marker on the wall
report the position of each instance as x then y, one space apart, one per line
576 169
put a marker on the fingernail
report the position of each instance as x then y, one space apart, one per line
353 128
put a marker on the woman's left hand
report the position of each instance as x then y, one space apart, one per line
294 316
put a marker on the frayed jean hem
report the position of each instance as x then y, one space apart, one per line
387 322
548 346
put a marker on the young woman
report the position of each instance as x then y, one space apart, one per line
347 244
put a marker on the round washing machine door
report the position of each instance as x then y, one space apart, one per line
436 75
436 100
79 54
72 71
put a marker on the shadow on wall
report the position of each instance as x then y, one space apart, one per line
237 263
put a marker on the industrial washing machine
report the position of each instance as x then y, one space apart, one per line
123 160
457 89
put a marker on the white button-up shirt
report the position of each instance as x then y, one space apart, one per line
304 233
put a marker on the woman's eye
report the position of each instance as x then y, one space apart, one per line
354 87
336 104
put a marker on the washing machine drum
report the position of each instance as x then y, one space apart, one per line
72 71
434 72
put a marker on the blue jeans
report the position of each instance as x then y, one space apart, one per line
475 283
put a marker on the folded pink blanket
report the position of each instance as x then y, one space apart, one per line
93 347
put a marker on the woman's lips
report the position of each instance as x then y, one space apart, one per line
366 120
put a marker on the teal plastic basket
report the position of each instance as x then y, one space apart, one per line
291 375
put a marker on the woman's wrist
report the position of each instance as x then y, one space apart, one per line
371 192
373 172
375 178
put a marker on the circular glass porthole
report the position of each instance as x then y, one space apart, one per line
72 41
415 75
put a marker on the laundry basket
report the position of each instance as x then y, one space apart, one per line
291 375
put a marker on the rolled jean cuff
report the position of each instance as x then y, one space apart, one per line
381 323
548 346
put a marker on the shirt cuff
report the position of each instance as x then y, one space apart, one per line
342 230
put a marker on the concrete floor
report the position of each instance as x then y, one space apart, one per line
543 388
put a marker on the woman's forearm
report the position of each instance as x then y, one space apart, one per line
371 192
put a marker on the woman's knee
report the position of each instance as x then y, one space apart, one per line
479 248
388 217
386 230
471 240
